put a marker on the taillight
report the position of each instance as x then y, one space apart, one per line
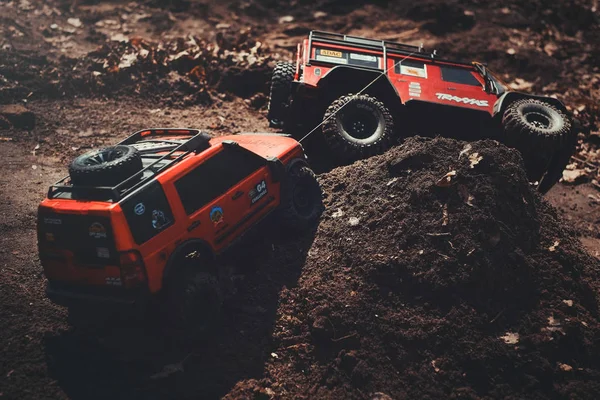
133 273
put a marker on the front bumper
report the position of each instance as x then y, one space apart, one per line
67 294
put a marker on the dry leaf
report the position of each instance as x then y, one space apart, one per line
565 367
510 338
446 180
474 159
568 302
554 246
435 368
464 151
572 176
445 218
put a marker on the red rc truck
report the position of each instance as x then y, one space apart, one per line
367 94
148 215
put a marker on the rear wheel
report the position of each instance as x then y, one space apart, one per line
105 167
539 131
194 297
279 96
358 127
301 199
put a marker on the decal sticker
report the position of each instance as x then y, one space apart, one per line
216 215
414 89
332 59
465 100
258 192
97 230
113 281
102 252
139 208
317 71
50 237
331 53
158 219
413 71
363 57
53 221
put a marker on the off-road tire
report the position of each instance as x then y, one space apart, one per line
194 298
538 130
301 199
279 96
105 167
350 116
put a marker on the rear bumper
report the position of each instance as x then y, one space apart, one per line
68 294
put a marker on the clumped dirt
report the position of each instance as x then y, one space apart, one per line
437 273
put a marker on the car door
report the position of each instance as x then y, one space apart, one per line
217 194
460 86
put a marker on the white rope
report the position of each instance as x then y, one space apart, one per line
383 73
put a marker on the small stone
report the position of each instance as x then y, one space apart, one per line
286 19
353 221
76 22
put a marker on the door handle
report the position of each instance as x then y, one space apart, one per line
237 195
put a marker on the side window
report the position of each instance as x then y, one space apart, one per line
147 212
410 67
459 75
215 176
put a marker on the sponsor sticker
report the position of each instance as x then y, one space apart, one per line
97 231
158 219
216 215
139 209
53 221
363 57
113 281
102 252
463 100
413 71
258 192
331 53
331 59
50 237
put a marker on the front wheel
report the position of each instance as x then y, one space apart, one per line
539 131
301 199
358 126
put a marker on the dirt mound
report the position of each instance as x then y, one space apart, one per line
437 273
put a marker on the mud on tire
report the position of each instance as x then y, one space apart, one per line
105 167
194 298
538 130
358 127
281 87
301 199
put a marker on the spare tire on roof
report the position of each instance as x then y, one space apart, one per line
105 167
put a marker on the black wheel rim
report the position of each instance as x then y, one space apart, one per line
359 123
538 120
103 156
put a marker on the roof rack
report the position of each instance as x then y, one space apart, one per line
384 46
198 141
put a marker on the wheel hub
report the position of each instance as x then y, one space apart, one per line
538 120
104 156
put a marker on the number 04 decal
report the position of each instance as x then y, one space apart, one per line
258 192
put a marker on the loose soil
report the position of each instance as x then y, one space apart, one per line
417 300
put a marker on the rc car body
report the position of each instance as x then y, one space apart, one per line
365 95
148 215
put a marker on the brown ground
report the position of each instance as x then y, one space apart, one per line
85 91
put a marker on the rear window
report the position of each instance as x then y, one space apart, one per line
347 57
459 75
216 176
147 212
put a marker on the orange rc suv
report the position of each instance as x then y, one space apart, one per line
149 214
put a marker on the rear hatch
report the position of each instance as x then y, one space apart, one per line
78 247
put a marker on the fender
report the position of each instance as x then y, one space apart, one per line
508 97
188 245
355 79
